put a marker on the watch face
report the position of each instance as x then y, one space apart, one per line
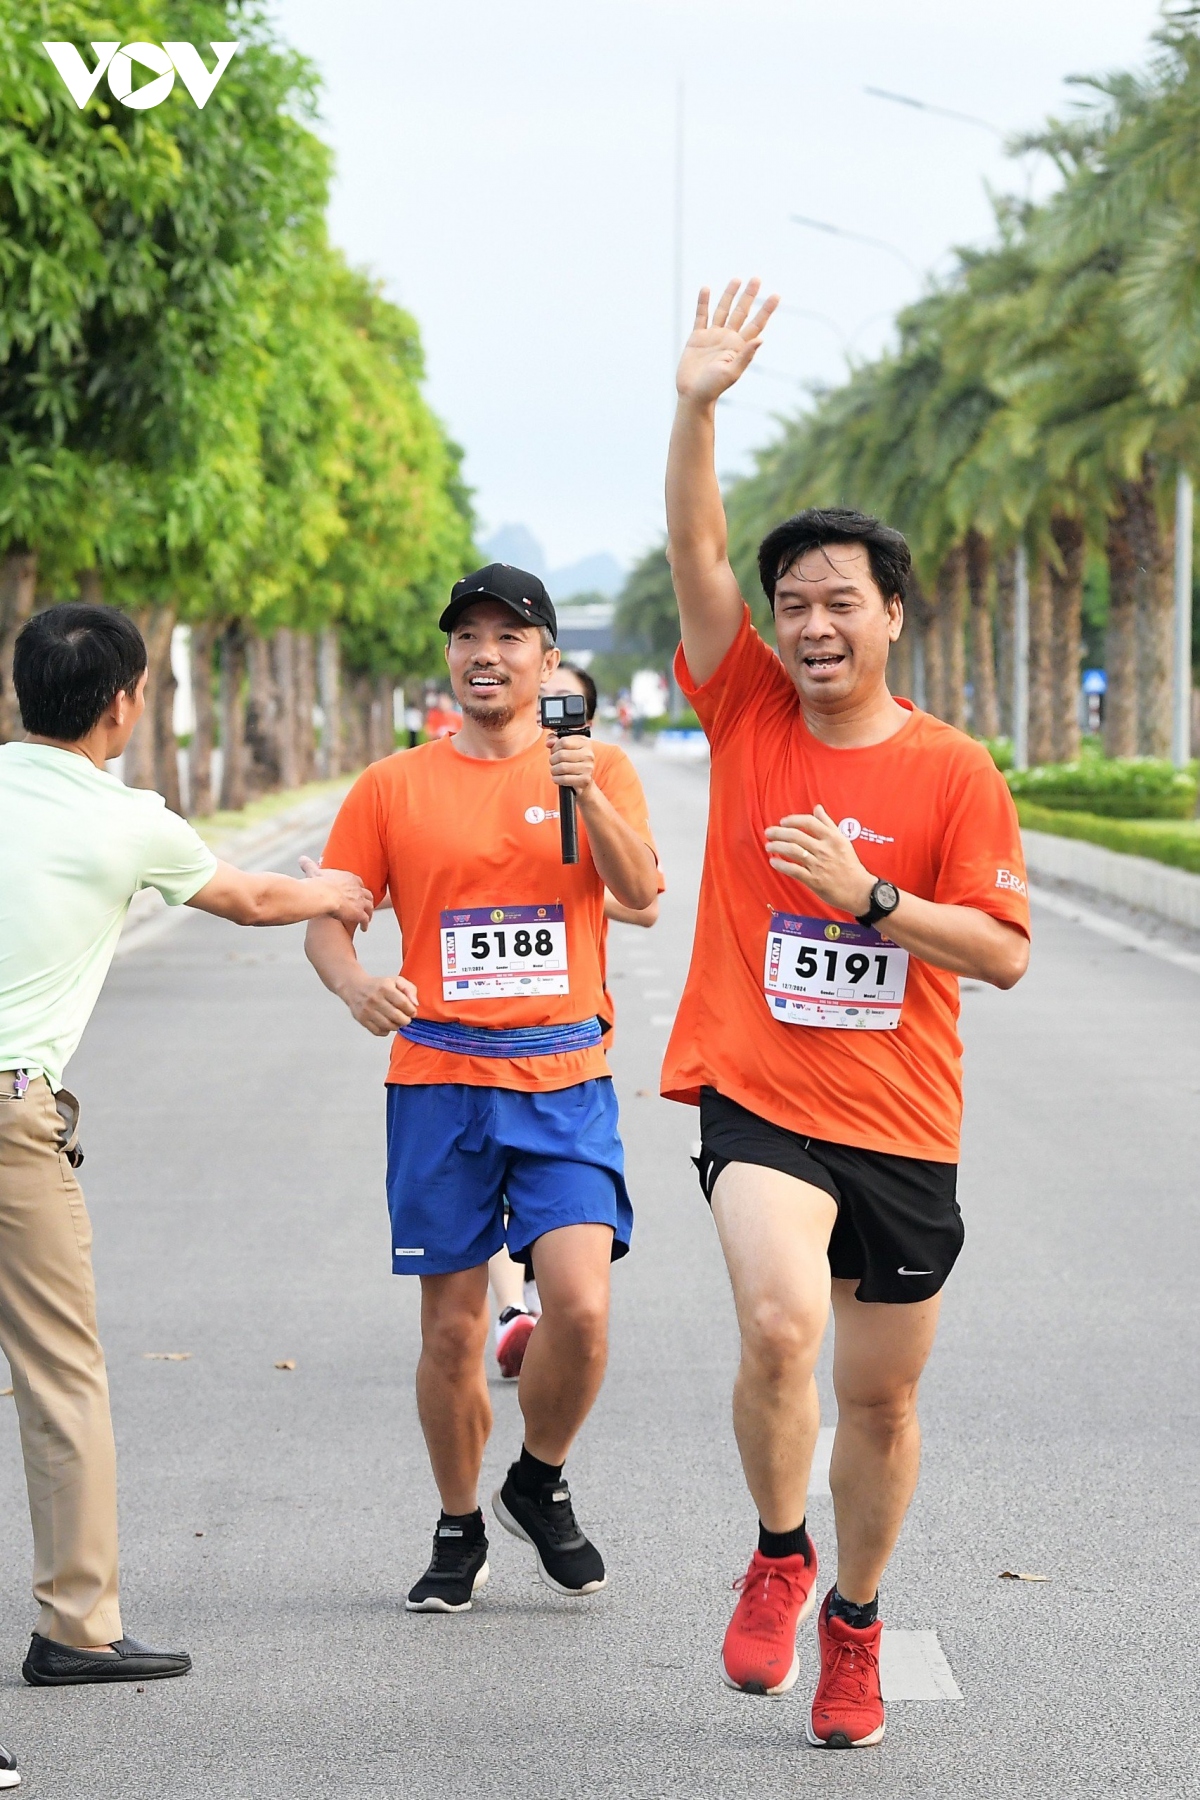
886 896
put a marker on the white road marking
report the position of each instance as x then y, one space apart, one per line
662 1018
656 994
1110 928
913 1666
818 1480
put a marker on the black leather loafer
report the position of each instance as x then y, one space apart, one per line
60 1665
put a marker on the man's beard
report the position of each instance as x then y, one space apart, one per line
492 718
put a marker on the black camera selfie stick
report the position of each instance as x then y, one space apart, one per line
568 825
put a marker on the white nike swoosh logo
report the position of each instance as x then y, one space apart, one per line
914 1271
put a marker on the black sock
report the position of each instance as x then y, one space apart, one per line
530 1476
861 1618
784 1543
470 1524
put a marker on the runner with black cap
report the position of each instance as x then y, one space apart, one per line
497 1087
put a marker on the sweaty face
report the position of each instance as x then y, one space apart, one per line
833 626
496 663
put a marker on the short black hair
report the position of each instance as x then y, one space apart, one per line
586 683
887 551
70 663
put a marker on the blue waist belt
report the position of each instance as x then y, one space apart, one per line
518 1040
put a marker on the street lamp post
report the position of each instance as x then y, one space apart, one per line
1181 734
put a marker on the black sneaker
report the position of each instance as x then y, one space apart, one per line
8 1769
566 1561
458 1570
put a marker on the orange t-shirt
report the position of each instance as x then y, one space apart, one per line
444 832
934 815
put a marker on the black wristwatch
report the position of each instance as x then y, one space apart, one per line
885 898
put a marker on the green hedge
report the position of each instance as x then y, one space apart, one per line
1132 787
687 721
1161 840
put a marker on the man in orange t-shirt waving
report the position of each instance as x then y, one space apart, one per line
498 1090
861 856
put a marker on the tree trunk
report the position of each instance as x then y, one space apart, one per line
1041 711
200 757
306 700
137 764
1154 550
330 680
162 686
356 723
233 718
262 718
1120 651
385 717
900 662
1006 648
932 658
18 592
985 719
1066 602
951 585
283 663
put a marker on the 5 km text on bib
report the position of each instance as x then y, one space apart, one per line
842 977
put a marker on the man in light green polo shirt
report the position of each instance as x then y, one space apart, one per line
75 846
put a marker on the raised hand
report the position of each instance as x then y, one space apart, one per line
719 352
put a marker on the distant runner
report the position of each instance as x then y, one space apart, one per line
861 855
497 1087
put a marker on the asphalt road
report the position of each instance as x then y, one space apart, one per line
273 1519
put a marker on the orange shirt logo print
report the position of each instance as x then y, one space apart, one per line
853 828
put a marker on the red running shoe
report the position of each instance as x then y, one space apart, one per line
777 1594
513 1331
847 1708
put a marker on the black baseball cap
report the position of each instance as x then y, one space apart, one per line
514 588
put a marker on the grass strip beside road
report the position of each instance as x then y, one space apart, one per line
1172 841
217 826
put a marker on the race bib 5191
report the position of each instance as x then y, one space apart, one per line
501 952
842 977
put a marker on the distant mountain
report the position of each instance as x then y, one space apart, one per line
596 574
516 544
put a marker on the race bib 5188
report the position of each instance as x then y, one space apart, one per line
502 952
841 977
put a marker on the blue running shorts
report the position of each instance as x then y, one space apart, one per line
457 1155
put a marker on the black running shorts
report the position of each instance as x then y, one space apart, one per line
898 1229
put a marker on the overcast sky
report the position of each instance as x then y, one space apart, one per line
508 168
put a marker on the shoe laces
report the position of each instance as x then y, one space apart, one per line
768 1595
847 1674
452 1551
557 1513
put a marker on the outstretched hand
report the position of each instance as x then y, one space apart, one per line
718 353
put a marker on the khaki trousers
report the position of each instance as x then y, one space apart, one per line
48 1333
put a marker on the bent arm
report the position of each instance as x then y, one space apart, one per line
248 898
809 848
380 1003
961 939
624 862
629 915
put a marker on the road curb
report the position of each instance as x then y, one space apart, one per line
1135 880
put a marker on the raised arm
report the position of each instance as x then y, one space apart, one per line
715 356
